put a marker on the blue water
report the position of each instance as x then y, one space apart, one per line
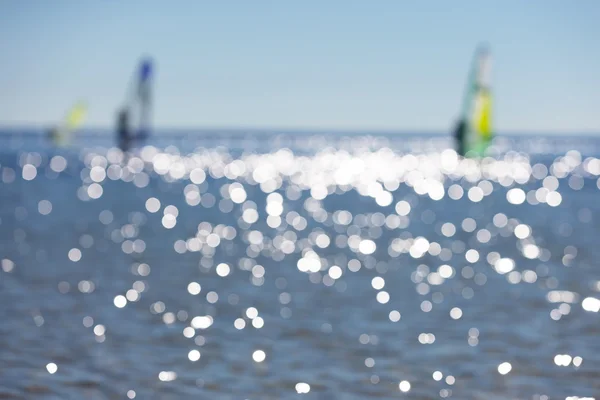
380 279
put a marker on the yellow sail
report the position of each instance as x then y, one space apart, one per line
76 116
482 120
71 123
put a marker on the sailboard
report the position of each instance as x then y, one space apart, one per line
477 107
62 135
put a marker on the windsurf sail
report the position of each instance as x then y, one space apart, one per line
139 99
477 107
145 98
63 134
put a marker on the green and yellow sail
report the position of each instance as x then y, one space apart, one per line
477 106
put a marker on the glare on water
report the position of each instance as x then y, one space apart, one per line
355 268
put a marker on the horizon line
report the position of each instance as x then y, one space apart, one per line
303 130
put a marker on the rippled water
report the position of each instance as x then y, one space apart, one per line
350 268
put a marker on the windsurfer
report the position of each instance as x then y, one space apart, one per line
123 130
52 133
459 135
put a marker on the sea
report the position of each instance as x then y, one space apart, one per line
299 265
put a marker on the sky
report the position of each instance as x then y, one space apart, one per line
336 64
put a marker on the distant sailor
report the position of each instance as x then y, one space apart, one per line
123 130
459 136
53 134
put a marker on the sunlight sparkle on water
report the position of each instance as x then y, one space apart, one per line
305 237
302 387
504 368
404 386
52 368
259 356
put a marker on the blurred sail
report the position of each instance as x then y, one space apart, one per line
138 101
73 120
478 106
145 98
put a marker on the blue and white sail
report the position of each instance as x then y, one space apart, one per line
139 99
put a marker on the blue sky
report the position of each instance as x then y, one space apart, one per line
383 64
